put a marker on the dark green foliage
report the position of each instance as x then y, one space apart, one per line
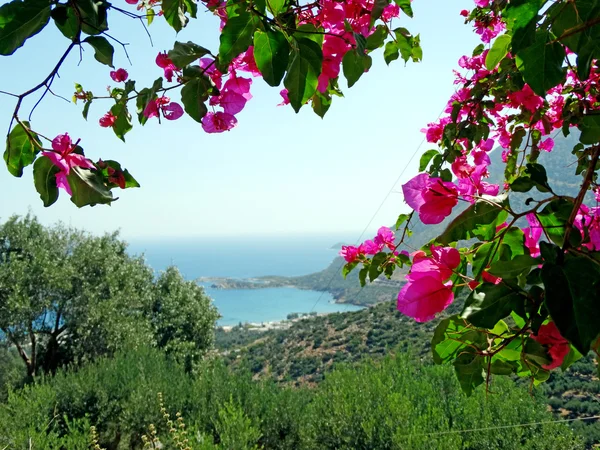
290 356
375 406
69 297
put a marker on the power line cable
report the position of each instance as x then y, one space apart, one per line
336 272
499 427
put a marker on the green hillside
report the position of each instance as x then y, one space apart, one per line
307 351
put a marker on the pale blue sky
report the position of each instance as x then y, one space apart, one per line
276 173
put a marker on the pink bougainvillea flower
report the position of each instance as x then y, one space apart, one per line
165 63
119 75
546 145
533 233
172 111
64 158
473 185
426 292
107 120
431 197
350 253
385 237
370 247
284 96
218 122
558 346
435 130
489 278
231 102
424 297
131 2
526 98
151 109
439 198
443 261
238 84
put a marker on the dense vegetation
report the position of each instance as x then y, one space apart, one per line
67 297
310 348
393 404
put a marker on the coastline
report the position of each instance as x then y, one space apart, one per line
283 324
344 292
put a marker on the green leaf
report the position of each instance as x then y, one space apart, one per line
321 103
174 13
19 20
572 293
405 7
186 53
193 96
513 268
482 257
276 6
348 268
144 97
44 179
468 367
354 65
404 43
271 53
554 217
501 367
93 16
577 22
20 149
401 219
302 77
86 109
426 158
88 188
498 51
541 64
374 269
130 182
191 7
309 31
390 53
378 7
362 275
479 220
377 38
65 20
520 13
590 129
489 303
122 124
236 37
103 50
451 336
534 175
513 244
534 352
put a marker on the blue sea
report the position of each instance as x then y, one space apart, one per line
246 258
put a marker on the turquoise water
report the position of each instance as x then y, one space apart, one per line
246 258
266 305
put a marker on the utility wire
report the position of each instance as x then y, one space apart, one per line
499 427
336 272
